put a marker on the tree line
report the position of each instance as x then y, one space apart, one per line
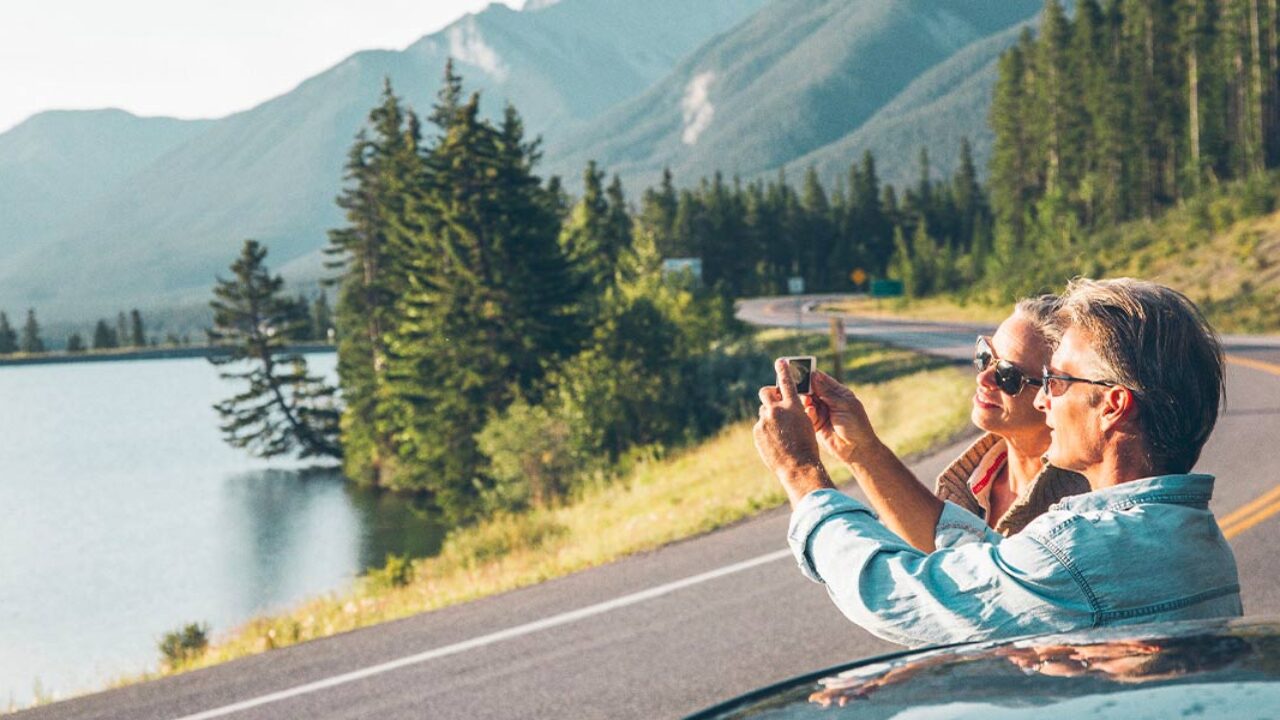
499 340
1119 111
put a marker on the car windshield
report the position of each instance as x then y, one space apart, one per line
1220 670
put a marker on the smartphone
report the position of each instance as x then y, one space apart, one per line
801 368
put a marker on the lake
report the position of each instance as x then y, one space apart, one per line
123 516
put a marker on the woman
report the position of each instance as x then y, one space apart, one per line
1001 477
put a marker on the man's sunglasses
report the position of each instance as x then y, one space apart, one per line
1007 377
1058 384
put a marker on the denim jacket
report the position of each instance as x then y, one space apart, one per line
1141 551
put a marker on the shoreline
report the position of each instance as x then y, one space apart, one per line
166 353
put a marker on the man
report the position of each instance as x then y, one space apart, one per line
1131 395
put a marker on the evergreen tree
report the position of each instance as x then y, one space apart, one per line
104 338
8 337
490 302
322 317
75 343
31 342
383 172
123 336
284 409
137 332
817 236
658 216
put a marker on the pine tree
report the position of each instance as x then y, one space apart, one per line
123 336
284 409
658 216
382 175
75 343
137 332
322 318
104 338
31 342
817 236
490 301
8 337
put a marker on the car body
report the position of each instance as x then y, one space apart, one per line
1227 668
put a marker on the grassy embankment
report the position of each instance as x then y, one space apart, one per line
1221 249
915 401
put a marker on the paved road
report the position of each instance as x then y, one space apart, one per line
663 633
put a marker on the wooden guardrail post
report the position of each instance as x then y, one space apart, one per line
837 348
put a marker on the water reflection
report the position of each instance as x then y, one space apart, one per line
127 517
291 529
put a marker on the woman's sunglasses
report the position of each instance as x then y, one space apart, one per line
1007 377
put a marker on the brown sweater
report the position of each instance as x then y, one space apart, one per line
1050 486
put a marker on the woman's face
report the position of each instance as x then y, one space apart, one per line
994 411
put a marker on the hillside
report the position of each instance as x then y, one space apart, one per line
796 77
57 163
943 106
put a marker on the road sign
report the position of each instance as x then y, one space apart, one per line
795 284
673 266
858 276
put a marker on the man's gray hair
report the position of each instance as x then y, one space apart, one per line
1154 341
1042 312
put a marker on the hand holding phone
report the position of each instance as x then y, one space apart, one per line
801 367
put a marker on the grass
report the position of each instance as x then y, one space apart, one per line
932 309
917 403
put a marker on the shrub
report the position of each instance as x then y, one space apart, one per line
183 645
531 458
397 572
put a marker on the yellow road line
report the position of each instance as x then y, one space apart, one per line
1262 365
1251 514
1249 508
1261 508
1263 514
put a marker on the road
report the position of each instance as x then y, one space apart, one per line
668 632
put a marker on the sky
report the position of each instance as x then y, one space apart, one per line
191 58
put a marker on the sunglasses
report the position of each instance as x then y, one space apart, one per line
1058 384
1007 376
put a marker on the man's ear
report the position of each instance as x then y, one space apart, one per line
1119 406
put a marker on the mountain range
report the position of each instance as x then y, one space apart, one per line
101 209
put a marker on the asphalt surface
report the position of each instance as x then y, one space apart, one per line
668 632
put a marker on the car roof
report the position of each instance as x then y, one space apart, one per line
1212 668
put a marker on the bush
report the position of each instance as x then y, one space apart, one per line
183 645
531 458
397 572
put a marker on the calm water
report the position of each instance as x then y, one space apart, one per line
123 516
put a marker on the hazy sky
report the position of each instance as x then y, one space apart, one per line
191 58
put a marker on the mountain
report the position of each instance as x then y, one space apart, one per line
937 111
155 227
57 163
797 77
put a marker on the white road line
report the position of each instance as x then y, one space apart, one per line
509 633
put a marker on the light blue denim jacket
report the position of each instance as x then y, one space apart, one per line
1141 551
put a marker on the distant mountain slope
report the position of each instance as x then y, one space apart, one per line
57 163
943 106
174 218
794 78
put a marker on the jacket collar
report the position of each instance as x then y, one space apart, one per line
1186 489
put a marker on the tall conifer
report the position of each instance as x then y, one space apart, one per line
8 336
284 409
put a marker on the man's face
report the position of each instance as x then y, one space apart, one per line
1073 416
